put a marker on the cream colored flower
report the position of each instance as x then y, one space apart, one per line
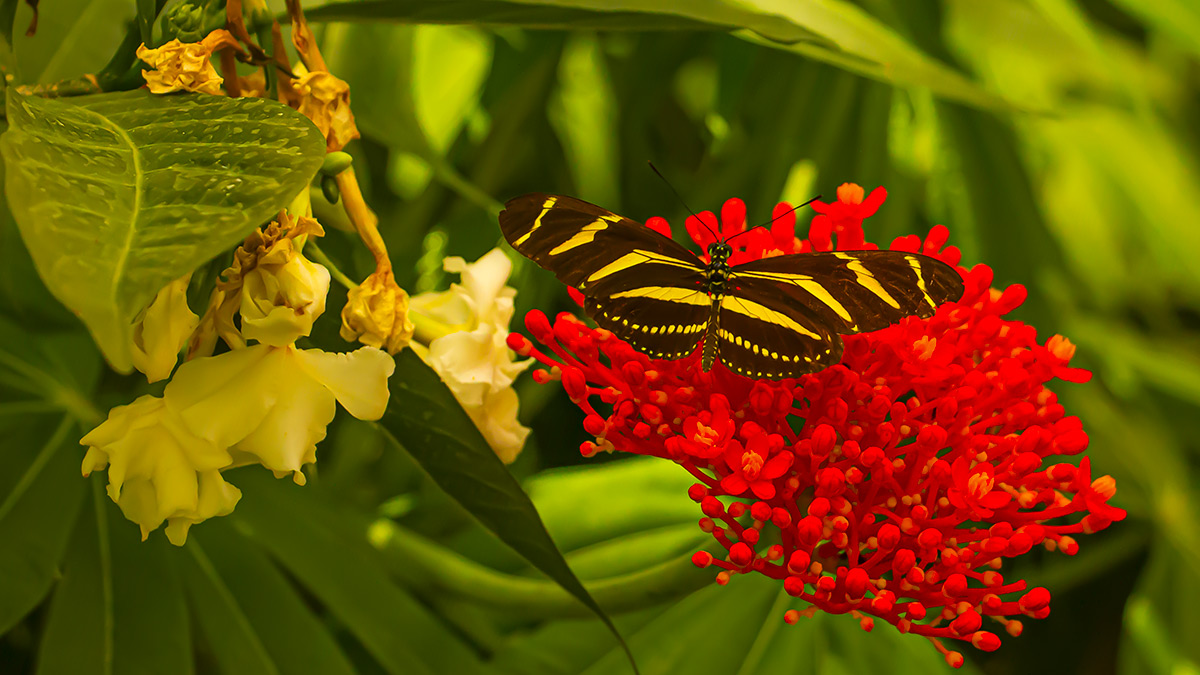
466 328
158 469
325 99
376 314
283 294
271 405
278 292
162 329
185 66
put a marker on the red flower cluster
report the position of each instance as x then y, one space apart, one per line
892 485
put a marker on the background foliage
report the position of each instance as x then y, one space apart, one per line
1056 138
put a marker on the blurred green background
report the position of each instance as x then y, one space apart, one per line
1057 139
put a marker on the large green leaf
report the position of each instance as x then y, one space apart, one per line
37 512
237 647
118 194
44 386
509 13
118 608
428 422
340 570
832 31
78 634
271 611
151 632
73 37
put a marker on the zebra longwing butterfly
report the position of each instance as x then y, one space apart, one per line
772 318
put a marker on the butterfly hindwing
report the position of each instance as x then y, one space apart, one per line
663 321
764 335
855 291
592 249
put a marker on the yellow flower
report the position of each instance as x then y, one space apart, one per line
285 292
466 328
278 292
162 329
158 469
271 405
376 313
185 66
325 99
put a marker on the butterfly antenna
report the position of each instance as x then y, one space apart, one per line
791 210
680 198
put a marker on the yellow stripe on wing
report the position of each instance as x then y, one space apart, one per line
687 296
584 236
637 257
916 266
537 222
867 280
805 282
765 314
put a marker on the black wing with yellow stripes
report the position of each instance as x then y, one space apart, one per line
644 287
782 316
772 318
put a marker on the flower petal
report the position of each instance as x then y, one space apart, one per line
358 380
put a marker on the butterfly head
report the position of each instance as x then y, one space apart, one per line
719 252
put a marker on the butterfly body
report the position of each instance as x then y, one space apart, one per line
771 318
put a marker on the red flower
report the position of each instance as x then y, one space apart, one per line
899 480
972 488
844 218
756 466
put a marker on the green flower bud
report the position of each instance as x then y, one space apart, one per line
335 163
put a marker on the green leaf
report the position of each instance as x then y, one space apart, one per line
343 573
236 645
119 607
73 37
118 194
1178 18
682 639
37 511
150 620
832 31
1165 364
426 420
78 636
584 115
294 638
146 13
8 11
506 13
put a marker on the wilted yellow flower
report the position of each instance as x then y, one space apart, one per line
185 66
161 330
325 99
278 302
284 292
466 328
158 469
271 405
376 313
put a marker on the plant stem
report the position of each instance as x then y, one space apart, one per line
431 568
313 251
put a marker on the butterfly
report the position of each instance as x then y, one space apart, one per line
773 318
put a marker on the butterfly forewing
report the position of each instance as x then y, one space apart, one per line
854 291
586 246
642 286
763 335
